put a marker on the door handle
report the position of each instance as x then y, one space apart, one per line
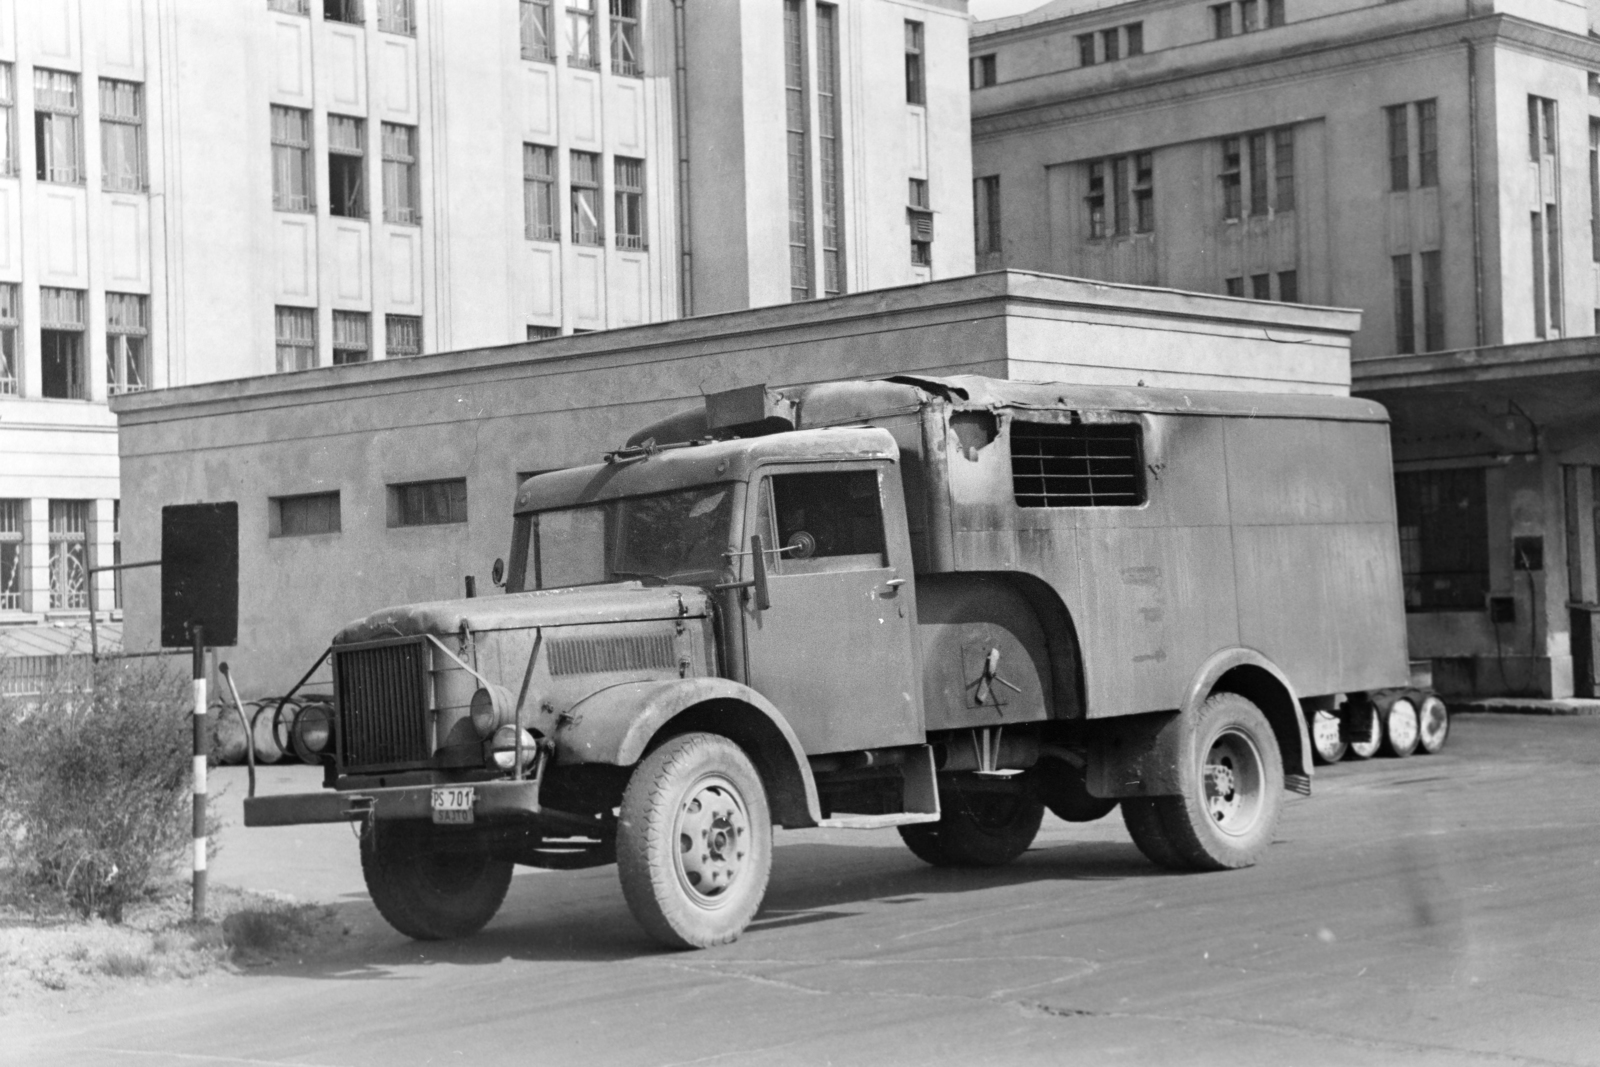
895 583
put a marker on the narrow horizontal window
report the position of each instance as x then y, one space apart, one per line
303 515
1077 466
437 503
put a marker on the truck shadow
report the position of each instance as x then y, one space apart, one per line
580 916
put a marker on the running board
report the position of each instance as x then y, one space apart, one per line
920 799
877 822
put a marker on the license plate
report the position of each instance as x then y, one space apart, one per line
452 804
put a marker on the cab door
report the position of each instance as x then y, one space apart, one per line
834 651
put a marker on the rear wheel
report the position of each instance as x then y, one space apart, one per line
976 829
1232 787
1400 728
1326 745
1433 724
1064 791
432 884
694 843
1143 820
1366 732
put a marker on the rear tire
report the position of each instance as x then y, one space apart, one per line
1232 787
1400 727
1433 725
1366 732
1064 791
432 885
1326 744
1143 820
694 844
976 830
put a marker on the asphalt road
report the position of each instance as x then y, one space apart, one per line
1436 910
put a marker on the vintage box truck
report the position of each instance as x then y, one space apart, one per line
942 605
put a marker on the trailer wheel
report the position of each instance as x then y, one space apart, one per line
1143 820
1062 788
1232 787
694 843
1367 732
1400 727
1326 744
1433 725
976 830
432 885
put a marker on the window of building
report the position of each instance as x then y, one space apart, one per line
116 553
1283 168
795 113
58 140
587 221
1111 44
920 217
296 330
1144 193
62 322
1444 538
428 503
303 515
1275 13
398 16
10 321
402 193
625 38
292 183
8 120
1541 127
69 555
290 7
13 554
543 333
539 193
1405 327
581 51
402 336
342 11
1289 287
1232 176
983 71
347 170
1096 200
1086 50
1547 316
629 197
1135 38
127 343
1222 20
1432 303
1258 173
830 162
1081 465
352 337
986 215
1427 143
122 167
1399 148
535 29
1120 222
1261 287
1233 286
1249 16
916 89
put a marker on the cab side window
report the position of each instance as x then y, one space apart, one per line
830 521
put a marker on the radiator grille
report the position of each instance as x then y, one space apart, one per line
592 655
383 705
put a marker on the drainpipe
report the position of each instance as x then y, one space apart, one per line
1477 218
680 101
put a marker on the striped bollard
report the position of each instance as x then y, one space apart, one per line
199 775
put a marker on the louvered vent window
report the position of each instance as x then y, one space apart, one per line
1078 466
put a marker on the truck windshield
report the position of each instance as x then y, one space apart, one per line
665 537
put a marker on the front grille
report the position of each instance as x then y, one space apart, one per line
383 705
593 655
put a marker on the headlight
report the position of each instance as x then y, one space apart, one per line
504 748
312 733
493 706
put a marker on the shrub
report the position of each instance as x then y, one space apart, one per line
94 785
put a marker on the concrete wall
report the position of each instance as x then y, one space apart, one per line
490 414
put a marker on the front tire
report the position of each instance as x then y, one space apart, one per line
694 843
976 829
432 885
1231 787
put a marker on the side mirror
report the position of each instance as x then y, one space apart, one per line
497 573
758 572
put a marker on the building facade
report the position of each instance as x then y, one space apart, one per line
1430 162
236 188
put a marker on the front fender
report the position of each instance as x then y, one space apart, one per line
616 724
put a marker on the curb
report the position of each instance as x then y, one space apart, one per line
1527 706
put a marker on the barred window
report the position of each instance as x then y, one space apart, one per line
69 555
352 337
1283 168
428 503
919 216
916 81
1444 538
347 150
1096 200
1055 465
398 16
402 195
1144 193
292 183
62 322
342 11
986 215
830 162
629 202
1258 174
8 120
303 515
1232 177
625 38
13 554
402 336
543 333
539 193
296 337
58 139
581 50
1399 148
536 29
1427 143
127 342
122 165
9 322
587 222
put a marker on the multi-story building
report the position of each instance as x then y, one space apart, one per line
1430 162
280 185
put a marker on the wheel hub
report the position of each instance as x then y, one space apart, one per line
1233 783
713 840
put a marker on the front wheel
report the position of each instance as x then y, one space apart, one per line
694 843
432 884
1231 788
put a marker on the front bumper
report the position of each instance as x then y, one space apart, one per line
492 802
